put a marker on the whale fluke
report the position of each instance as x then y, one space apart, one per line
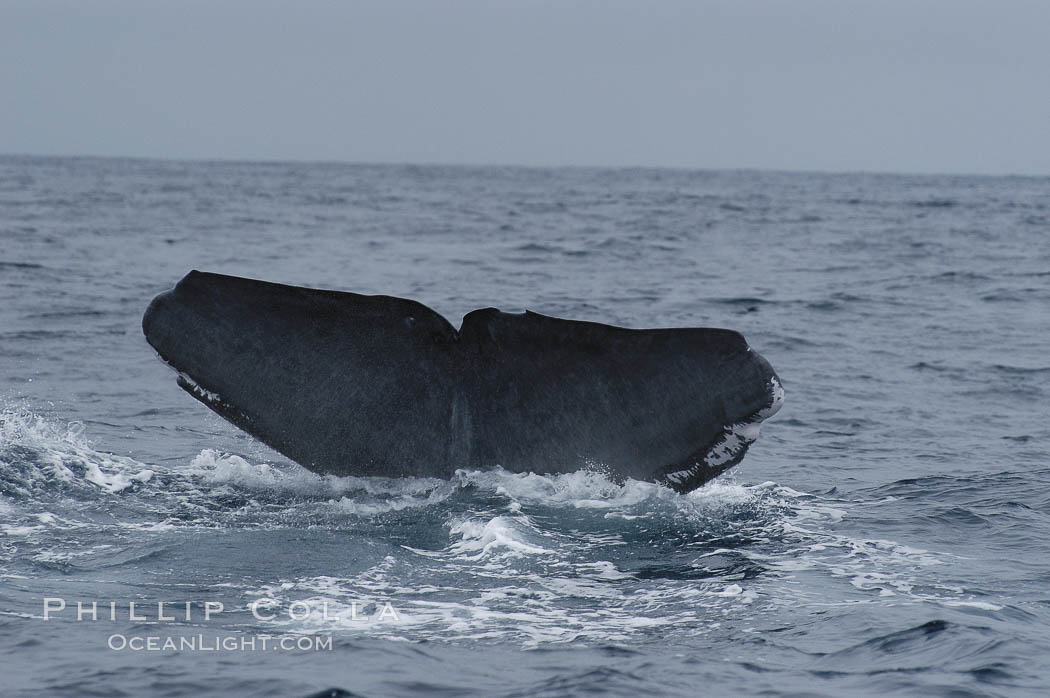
348 384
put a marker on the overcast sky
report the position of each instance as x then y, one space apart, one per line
878 85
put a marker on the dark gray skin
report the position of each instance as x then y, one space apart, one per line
347 384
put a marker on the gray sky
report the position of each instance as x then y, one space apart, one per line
883 85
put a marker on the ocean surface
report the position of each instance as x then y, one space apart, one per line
889 533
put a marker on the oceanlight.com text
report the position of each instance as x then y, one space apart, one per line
220 643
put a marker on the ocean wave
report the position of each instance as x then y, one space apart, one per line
39 455
484 555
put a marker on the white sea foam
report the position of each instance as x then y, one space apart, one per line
364 496
368 507
501 534
217 468
534 608
980 605
511 566
581 489
61 453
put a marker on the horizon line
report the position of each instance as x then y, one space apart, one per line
523 166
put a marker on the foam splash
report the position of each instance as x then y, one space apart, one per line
363 496
36 452
217 468
581 489
520 556
530 608
501 534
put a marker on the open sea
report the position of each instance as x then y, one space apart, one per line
889 533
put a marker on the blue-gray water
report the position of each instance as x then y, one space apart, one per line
890 531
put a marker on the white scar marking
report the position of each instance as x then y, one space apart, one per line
735 437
